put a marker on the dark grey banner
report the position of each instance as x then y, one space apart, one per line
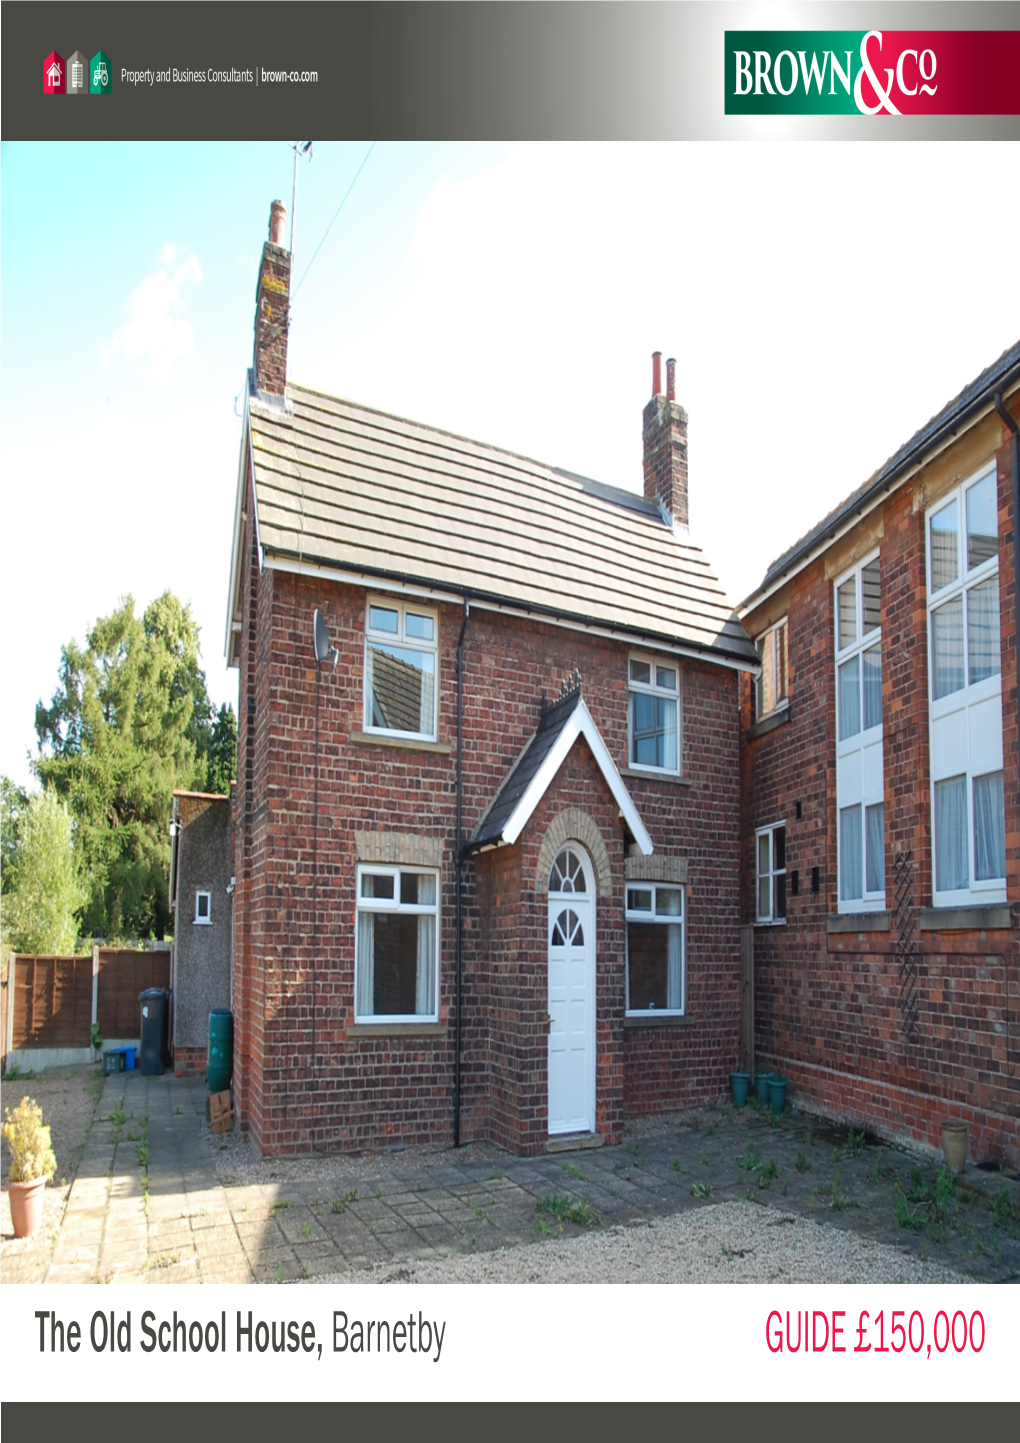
529 71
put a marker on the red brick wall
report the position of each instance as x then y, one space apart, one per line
827 1007
303 1079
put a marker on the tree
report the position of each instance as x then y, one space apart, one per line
222 754
129 722
45 892
13 806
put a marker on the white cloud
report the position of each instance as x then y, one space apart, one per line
158 332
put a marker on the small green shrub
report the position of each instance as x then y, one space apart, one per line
339 1204
702 1189
29 1142
584 1213
802 1164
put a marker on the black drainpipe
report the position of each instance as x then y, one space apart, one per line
1008 421
459 857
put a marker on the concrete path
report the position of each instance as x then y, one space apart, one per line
148 1203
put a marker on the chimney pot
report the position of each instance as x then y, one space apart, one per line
656 373
664 426
278 223
671 379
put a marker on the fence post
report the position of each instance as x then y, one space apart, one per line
10 1005
747 998
95 984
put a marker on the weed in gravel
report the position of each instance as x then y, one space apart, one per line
802 1164
132 1136
480 1214
545 1231
749 1161
706 1161
304 1274
841 1199
143 1154
339 1204
1002 1207
116 1116
880 1171
675 1164
278 1207
495 1174
572 1171
702 1189
308 1230
767 1171
279 1275
584 1213
924 1206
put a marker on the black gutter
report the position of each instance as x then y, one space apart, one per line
884 481
526 608
459 858
1008 421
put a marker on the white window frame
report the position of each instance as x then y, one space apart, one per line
769 919
766 645
959 706
401 639
860 759
652 689
394 904
654 919
205 921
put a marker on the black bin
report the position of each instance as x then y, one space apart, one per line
154 1024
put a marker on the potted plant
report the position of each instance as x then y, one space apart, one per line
777 1093
32 1164
740 1082
761 1083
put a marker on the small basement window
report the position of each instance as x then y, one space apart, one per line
203 908
397 945
655 950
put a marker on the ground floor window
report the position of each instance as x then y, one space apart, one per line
655 949
397 944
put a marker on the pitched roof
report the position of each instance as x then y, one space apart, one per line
529 778
342 486
976 396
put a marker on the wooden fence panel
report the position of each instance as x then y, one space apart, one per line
122 975
52 1002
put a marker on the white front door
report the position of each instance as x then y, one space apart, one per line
571 994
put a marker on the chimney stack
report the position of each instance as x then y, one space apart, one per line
272 308
665 445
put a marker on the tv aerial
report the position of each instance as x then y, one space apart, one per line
322 644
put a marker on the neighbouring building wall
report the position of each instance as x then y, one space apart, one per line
201 978
907 1014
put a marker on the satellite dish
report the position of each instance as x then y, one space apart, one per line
322 646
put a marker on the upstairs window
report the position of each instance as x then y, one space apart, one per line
654 719
655 949
401 657
771 689
860 763
395 971
965 688
770 843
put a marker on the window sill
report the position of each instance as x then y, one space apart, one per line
649 1019
649 774
857 922
412 744
397 1029
996 917
777 718
767 922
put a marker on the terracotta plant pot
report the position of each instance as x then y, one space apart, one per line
954 1146
27 1200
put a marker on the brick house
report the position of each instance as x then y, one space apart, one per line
487 817
881 819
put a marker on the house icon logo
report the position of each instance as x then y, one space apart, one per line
77 74
100 74
53 74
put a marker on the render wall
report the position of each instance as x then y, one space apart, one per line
828 1011
201 951
305 1075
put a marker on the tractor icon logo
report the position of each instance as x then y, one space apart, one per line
100 74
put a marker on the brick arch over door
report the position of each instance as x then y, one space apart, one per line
573 825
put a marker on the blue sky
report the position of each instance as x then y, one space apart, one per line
821 301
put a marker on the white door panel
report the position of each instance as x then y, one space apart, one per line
850 779
948 744
986 736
